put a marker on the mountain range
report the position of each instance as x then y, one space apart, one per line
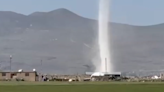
61 41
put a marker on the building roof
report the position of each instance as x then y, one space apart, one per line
103 73
19 72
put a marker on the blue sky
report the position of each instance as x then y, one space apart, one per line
135 12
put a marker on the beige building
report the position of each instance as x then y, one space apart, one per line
27 76
162 75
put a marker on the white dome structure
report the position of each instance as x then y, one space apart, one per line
97 74
155 77
34 70
70 80
20 70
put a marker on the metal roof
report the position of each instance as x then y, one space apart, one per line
105 73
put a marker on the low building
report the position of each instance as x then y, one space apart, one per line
104 76
26 76
162 75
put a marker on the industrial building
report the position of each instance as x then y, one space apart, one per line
104 76
25 76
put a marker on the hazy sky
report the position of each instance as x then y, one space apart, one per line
136 12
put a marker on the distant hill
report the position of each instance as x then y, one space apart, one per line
66 43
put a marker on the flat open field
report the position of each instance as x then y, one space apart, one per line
80 87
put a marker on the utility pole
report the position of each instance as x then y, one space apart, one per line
10 62
41 63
